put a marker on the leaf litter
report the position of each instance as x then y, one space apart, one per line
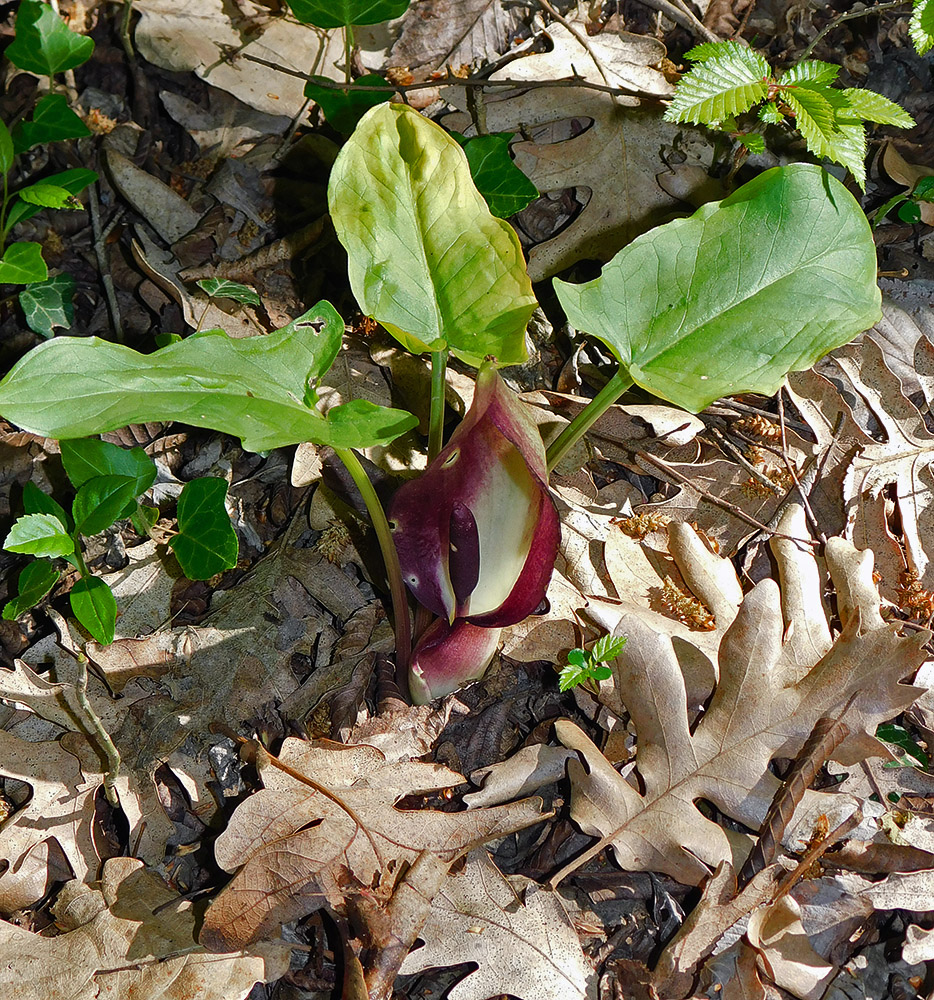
695 724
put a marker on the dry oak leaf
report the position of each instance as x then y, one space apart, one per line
780 671
294 849
129 937
517 933
899 463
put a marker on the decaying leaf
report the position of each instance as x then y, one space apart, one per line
779 671
294 849
129 936
516 932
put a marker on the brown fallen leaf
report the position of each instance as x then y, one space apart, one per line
517 933
129 937
295 849
903 172
777 677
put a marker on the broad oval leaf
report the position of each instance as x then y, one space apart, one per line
94 605
35 581
101 501
745 290
253 387
338 13
426 257
86 458
39 535
206 542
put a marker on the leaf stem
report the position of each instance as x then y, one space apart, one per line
439 364
587 417
106 744
348 52
400 605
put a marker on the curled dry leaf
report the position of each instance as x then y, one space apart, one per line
517 933
129 936
294 849
779 672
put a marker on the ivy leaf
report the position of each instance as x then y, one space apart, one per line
426 257
95 607
343 109
921 26
726 82
206 543
101 501
49 304
35 581
74 181
739 294
44 44
6 149
22 264
39 535
339 13
221 288
52 121
869 106
505 187
86 458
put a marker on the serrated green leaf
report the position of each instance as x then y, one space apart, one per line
39 535
704 51
505 187
825 133
22 264
869 106
35 581
739 294
87 458
101 501
570 677
221 288
727 82
810 71
754 142
252 387
426 257
921 26
6 149
37 502
608 647
770 114
74 181
52 121
206 543
49 304
338 13
46 195
44 44
343 109
95 607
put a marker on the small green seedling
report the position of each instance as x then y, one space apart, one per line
730 79
109 482
921 26
908 202
44 45
586 667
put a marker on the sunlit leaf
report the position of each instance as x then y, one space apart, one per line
93 604
44 44
206 543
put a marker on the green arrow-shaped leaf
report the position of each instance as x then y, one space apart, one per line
44 44
206 543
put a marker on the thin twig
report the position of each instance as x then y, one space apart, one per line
100 252
793 472
879 8
581 39
737 454
718 501
683 16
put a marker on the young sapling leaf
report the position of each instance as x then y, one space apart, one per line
608 647
39 535
74 181
340 13
95 607
44 44
343 109
505 187
52 120
921 26
101 501
586 667
37 502
87 458
206 543
47 195
35 581
221 288
22 264
49 304
6 149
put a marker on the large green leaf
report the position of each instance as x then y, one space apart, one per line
739 294
426 257
253 387
44 44
337 13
